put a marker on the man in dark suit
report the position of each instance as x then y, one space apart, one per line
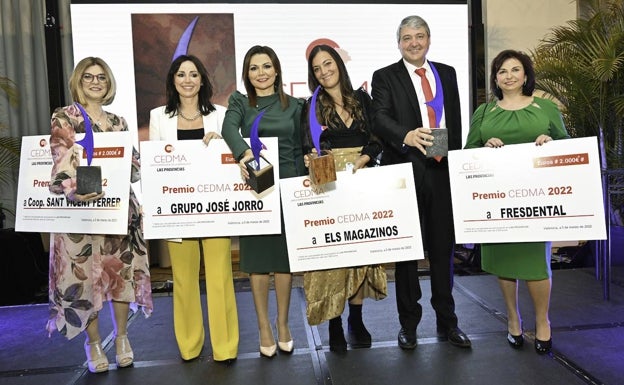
402 121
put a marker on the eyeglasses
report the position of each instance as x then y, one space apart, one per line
89 78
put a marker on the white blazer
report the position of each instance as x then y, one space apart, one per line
164 127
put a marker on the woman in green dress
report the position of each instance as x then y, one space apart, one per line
264 254
518 117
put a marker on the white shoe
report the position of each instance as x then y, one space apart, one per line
268 351
96 359
124 356
285 347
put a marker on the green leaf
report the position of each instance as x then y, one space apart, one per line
86 250
9 158
581 64
10 88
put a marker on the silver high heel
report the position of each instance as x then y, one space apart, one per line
96 359
124 356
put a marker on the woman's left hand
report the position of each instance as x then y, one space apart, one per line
542 139
209 136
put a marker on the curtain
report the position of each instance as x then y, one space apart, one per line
67 47
23 60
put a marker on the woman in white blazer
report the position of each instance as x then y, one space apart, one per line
164 127
189 114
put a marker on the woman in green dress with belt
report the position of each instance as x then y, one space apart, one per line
264 254
518 117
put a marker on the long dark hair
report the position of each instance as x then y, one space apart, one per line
527 64
326 104
251 91
205 106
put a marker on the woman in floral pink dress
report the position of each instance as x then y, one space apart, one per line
88 269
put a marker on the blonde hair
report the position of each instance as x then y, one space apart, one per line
75 85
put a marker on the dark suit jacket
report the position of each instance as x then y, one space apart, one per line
396 111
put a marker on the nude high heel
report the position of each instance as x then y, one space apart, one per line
124 356
268 351
285 347
96 359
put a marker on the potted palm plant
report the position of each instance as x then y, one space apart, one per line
581 64
9 148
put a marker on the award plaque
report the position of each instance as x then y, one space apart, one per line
440 143
88 180
260 176
322 168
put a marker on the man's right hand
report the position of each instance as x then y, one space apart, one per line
419 138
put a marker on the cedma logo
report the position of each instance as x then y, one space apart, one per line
473 164
169 158
308 190
43 151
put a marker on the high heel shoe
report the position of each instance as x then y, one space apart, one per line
96 359
124 356
285 347
516 342
543 347
268 351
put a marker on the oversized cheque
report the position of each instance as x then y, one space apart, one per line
528 193
39 210
369 217
190 190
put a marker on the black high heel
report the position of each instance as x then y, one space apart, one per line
516 342
543 347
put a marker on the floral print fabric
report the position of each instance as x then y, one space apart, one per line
88 269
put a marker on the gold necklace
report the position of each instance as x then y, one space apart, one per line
191 118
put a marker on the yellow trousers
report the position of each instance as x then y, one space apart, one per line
188 320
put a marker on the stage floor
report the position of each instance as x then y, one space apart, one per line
588 338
